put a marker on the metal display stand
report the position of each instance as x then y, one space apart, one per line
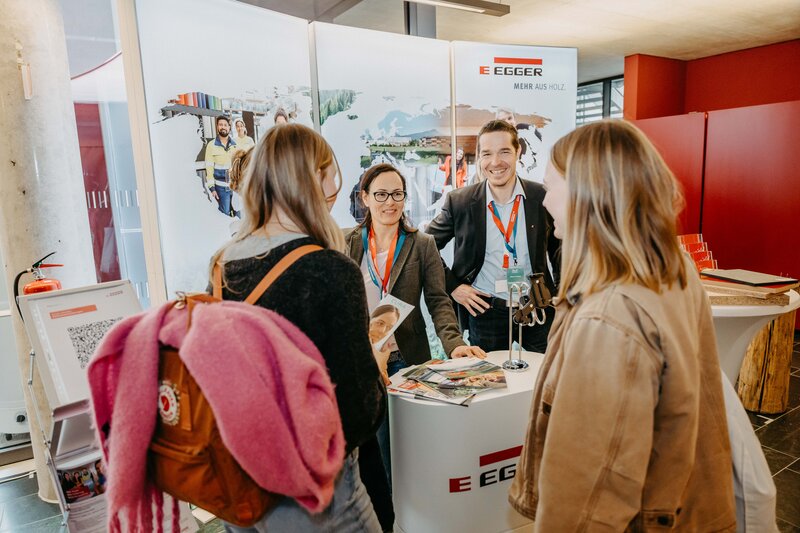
515 364
64 327
531 314
79 413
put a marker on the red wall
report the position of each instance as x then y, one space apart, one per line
680 140
750 182
763 75
658 86
650 87
751 208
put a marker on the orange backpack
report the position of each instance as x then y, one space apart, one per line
187 458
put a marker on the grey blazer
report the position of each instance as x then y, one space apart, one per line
418 269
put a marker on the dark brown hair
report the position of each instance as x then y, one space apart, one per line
497 125
384 309
461 164
280 112
366 180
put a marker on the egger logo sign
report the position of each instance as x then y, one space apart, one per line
523 66
492 475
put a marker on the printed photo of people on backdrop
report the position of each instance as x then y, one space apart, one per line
228 125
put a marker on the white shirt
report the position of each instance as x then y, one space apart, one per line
492 269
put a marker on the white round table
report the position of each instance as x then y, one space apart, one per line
452 465
736 325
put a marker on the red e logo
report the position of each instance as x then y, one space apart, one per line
460 484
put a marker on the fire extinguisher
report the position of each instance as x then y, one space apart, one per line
40 283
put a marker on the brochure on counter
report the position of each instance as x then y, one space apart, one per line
384 321
455 381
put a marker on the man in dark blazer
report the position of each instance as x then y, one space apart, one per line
497 223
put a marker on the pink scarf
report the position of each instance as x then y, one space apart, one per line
264 379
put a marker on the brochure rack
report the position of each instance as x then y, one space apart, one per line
78 414
64 328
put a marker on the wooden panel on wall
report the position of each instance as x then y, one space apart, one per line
679 140
751 209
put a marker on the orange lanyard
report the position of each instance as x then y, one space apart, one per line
383 282
509 232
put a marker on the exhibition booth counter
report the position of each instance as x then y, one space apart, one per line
452 465
735 326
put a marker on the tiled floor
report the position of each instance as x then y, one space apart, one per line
21 510
780 439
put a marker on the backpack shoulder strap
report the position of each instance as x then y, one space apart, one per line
216 282
275 272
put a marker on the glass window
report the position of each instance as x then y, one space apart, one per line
600 99
104 136
617 94
590 103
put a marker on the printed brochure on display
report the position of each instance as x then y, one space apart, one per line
455 381
384 321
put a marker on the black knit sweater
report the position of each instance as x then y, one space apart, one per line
323 295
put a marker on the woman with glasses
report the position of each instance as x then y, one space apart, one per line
398 260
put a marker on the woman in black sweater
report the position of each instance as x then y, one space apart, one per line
290 186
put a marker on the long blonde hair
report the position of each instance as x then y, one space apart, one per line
239 162
284 172
622 206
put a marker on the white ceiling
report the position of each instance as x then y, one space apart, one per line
605 31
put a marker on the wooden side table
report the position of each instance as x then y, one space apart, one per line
765 373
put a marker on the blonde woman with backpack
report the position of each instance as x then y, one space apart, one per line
290 185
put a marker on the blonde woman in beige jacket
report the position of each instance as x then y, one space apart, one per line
628 428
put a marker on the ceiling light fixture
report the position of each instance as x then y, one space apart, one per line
474 6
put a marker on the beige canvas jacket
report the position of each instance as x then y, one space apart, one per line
628 428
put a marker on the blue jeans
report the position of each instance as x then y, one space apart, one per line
350 510
224 202
489 330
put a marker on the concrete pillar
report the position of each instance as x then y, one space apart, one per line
42 200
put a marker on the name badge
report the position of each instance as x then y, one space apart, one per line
500 286
515 275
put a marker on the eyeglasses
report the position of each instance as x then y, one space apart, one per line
382 196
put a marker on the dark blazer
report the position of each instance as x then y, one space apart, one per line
418 269
463 217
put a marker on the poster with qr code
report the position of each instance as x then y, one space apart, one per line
65 327
85 338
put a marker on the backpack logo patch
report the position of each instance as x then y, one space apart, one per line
169 403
